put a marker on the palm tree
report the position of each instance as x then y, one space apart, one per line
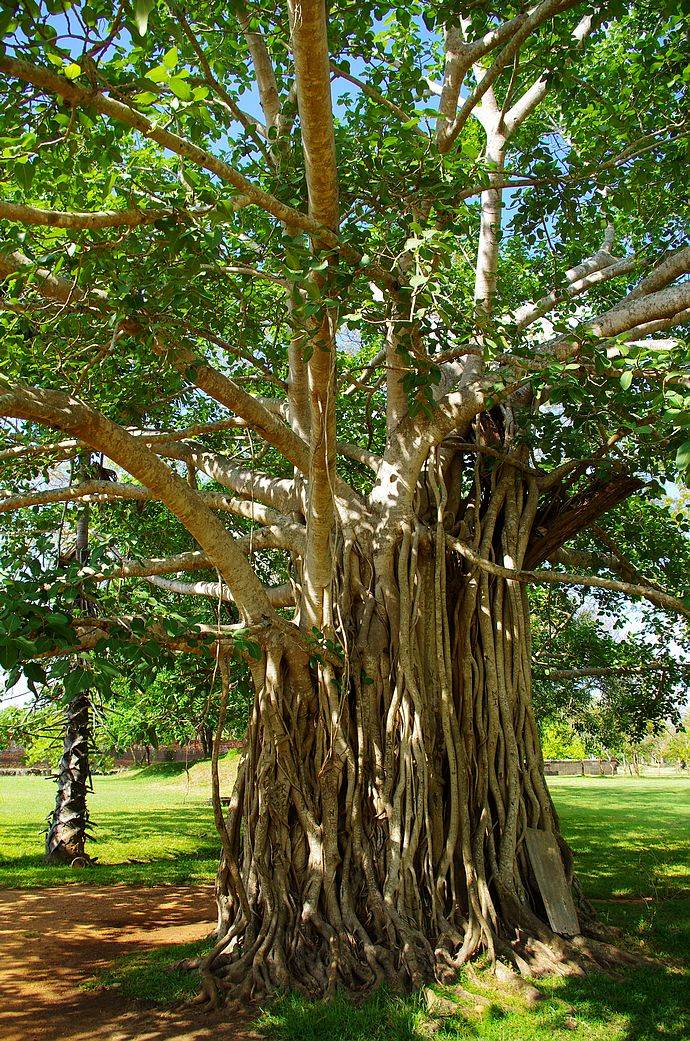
68 828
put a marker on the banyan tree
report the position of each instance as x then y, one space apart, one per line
378 309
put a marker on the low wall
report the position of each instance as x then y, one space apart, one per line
580 767
12 760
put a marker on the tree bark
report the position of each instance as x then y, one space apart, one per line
377 826
67 833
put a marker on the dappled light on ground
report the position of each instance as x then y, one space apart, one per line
630 835
94 962
150 826
55 940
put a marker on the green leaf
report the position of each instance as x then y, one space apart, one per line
159 74
170 58
180 88
683 456
142 10
626 379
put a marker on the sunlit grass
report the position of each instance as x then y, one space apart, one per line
632 843
151 826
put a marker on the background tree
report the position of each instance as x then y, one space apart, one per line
390 312
173 706
69 825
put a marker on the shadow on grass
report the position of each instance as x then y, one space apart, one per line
643 1006
628 838
646 1005
154 975
147 847
382 1017
161 771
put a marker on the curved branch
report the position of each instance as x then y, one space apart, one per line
278 492
52 83
107 491
182 358
129 218
609 268
269 99
666 271
375 95
279 596
663 600
459 58
540 14
661 305
64 449
72 416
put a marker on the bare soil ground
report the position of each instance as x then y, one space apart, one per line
53 940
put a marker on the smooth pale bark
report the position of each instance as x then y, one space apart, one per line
279 596
106 491
128 218
74 417
312 77
263 68
540 14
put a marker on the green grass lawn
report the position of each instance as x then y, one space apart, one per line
632 842
152 826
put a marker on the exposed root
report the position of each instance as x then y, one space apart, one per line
376 830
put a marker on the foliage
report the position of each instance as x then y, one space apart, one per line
361 328
559 741
37 730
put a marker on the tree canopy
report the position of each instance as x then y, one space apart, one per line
356 321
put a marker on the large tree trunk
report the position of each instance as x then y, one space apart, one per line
377 829
67 833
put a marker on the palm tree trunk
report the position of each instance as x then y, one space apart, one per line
67 833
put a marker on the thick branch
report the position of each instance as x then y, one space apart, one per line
527 314
667 271
181 357
279 596
564 516
107 491
128 218
312 72
277 492
312 78
74 417
663 600
460 57
263 67
540 14
52 83
664 304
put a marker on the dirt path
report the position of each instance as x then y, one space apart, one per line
53 940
